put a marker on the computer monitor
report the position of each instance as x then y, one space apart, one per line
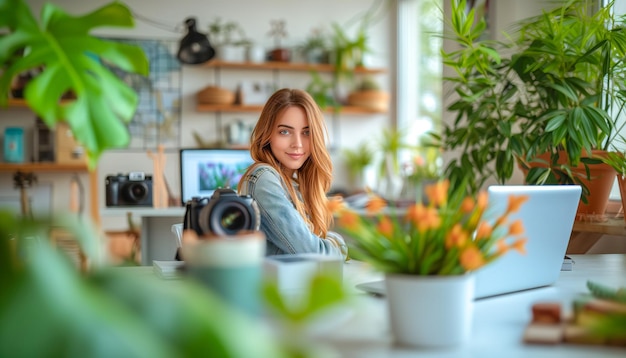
204 170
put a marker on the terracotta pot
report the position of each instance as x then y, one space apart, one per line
599 186
280 55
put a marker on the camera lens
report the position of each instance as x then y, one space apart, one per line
229 218
233 219
136 192
225 217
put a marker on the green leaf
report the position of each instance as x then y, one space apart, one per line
323 292
72 60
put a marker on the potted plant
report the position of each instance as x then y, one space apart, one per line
617 160
230 40
554 88
278 32
429 253
347 52
315 47
367 94
322 92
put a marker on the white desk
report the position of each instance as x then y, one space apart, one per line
498 324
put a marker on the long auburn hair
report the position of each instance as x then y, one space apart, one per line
315 176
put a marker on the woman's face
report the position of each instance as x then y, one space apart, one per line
290 140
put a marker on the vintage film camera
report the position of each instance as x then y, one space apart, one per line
134 189
225 213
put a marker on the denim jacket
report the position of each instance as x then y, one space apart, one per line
285 230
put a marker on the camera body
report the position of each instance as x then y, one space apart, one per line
133 189
225 213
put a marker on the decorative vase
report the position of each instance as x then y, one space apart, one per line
430 311
280 55
390 182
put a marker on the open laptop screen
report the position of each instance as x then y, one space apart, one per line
204 170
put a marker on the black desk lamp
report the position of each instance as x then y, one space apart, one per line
195 47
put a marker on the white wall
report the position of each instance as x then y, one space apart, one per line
254 16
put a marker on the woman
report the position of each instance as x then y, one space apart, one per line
291 174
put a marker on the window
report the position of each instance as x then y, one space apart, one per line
420 29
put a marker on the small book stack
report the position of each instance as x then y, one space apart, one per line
568 264
167 270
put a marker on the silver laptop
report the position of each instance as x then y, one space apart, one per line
548 218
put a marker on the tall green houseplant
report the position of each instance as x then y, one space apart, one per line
556 86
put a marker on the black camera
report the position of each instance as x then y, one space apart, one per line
134 189
225 213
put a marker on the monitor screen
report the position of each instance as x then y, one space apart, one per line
204 170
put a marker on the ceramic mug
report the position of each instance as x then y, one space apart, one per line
230 266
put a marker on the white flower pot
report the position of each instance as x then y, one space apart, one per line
231 53
430 311
256 54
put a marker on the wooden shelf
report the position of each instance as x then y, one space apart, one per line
586 234
286 66
21 103
612 226
17 102
236 108
43 167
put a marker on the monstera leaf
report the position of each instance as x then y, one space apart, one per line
69 59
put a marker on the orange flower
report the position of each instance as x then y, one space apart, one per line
430 220
375 205
482 201
415 213
484 230
471 258
385 227
520 246
349 219
419 161
438 193
516 228
335 204
450 226
515 202
500 221
467 205
501 247
456 237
